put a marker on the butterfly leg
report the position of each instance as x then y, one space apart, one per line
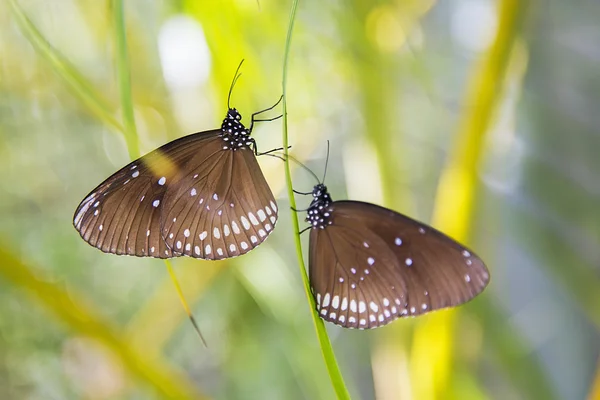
268 109
271 151
298 210
253 120
302 193
304 230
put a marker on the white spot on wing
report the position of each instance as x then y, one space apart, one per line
235 227
335 302
226 230
135 174
203 235
207 249
244 245
155 203
245 222
408 261
186 233
371 260
398 241
197 250
362 307
162 181
273 206
261 215
326 300
193 192
216 233
252 219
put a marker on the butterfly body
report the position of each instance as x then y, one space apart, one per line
202 195
369 265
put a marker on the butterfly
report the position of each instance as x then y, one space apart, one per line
369 265
202 195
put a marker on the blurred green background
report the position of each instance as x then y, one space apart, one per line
479 117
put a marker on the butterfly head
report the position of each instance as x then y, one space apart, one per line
234 133
319 211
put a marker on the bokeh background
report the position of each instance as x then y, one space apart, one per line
480 117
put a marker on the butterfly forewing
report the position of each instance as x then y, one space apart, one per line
122 215
370 266
218 213
343 280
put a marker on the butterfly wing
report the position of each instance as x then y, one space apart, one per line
224 208
122 215
372 265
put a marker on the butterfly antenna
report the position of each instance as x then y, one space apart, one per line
294 159
183 302
235 78
326 163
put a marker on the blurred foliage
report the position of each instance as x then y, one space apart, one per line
488 108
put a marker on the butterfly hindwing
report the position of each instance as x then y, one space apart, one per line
345 277
218 213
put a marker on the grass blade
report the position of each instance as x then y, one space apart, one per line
80 87
457 191
78 314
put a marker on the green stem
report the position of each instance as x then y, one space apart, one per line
124 82
330 361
